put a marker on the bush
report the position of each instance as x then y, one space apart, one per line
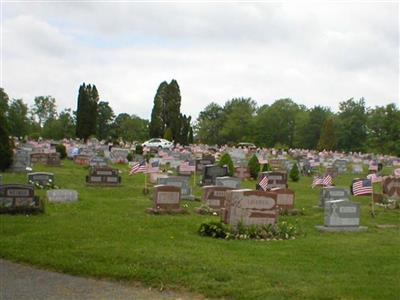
139 149
282 230
254 166
265 168
60 148
294 173
226 160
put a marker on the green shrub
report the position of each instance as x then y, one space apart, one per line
226 160
265 168
214 229
294 173
254 166
60 148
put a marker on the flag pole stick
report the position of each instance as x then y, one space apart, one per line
372 199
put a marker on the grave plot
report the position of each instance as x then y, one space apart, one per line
275 180
179 181
41 178
103 177
166 199
341 215
250 208
227 181
19 198
333 193
211 172
62 196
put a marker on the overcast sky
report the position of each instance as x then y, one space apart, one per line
315 54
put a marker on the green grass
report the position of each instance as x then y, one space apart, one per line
108 234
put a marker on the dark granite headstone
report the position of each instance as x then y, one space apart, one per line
103 177
42 178
211 172
18 198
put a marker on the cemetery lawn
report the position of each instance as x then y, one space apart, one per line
108 234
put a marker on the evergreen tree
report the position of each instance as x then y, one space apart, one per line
168 134
328 139
17 116
157 122
254 166
226 160
86 113
294 173
173 108
190 138
105 116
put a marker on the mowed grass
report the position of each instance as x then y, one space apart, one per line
108 234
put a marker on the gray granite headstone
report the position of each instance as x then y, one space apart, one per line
98 161
358 169
342 213
62 195
179 181
22 160
42 178
227 181
333 193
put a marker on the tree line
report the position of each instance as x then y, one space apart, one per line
286 124
283 124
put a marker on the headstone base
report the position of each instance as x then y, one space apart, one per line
161 211
103 184
341 228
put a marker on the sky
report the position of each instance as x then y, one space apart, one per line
314 53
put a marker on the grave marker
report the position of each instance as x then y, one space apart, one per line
62 195
179 181
103 177
18 198
228 181
166 198
42 178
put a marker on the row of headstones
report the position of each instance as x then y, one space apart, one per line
20 198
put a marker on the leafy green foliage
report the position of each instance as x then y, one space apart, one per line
281 230
60 148
6 154
17 120
139 149
226 160
168 134
328 139
254 166
294 173
44 109
105 117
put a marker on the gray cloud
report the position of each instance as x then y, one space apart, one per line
315 54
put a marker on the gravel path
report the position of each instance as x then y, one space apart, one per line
26 282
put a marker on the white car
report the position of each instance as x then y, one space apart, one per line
158 143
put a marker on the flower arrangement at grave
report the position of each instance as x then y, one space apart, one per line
280 231
206 210
48 186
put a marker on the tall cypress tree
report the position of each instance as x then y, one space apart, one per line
173 109
86 114
157 122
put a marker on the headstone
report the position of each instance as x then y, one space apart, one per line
18 198
21 161
285 198
341 215
357 169
39 158
250 207
42 178
179 181
103 177
341 164
154 176
53 159
211 172
166 198
82 159
333 171
206 160
62 195
391 187
333 193
227 181
277 164
242 172
214 196
275 179
98 161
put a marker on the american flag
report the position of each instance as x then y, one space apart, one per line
318 180
362 187
138 167
263 183
154 167
374 178
327 181
188 166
